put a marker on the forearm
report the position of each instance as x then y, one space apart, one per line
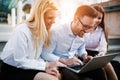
62 60
50 56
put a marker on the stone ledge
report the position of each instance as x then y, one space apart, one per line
114 48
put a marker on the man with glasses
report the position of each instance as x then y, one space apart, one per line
69 39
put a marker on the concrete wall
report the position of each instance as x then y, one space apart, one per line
112 19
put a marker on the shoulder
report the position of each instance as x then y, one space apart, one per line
21 28
60 28
99 28
86 36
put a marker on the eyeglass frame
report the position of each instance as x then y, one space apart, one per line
86 26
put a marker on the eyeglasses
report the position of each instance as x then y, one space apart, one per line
85 26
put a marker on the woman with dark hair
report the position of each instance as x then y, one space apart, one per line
98 42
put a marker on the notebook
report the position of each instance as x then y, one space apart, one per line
95 63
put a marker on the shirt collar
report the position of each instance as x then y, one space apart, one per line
71 33
69 28
98 28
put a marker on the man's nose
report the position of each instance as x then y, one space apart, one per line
87 31
53 21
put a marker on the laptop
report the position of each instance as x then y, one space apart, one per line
95 63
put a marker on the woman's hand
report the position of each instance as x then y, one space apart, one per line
101 54
86 57
51 68
53 71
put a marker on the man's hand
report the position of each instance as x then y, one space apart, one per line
54 64
72 61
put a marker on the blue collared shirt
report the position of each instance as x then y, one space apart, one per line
64 44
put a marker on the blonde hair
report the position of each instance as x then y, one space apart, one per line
36 21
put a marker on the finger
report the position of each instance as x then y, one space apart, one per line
62 65
54 72
79 62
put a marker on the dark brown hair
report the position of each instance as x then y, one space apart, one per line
102 24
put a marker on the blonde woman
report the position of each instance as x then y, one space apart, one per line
21 55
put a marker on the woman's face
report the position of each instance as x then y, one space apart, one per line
49 18
99 18
97 22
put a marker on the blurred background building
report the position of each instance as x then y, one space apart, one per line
13 12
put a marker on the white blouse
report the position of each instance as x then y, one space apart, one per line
97 41
19 50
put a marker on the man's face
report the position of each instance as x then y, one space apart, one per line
49 18
85 25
